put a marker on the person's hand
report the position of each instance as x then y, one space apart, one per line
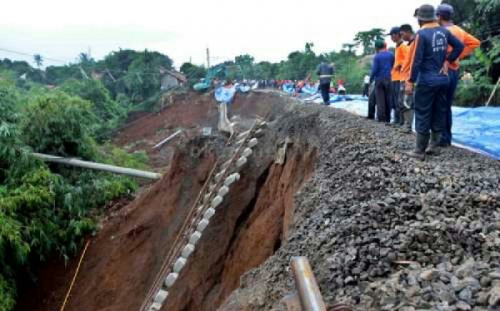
445 69
409 88
399 67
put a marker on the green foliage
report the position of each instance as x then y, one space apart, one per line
476 94
193 73
60 124
47 210
299 64
105 108
7 294
367 38
246 64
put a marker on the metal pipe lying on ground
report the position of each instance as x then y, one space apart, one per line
310 296
163 142
97 166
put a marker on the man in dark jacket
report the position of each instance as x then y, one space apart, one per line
381 74
429 70
325 73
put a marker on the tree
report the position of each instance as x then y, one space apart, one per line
193 73
246 63
38 60
367 38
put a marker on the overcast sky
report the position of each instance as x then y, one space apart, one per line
183 29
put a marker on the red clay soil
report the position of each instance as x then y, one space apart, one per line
190 112
120 262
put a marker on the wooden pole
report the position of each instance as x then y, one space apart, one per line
493 93
97 166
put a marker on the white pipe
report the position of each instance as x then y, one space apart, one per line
97 166
163 142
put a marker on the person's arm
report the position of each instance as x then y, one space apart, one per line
457 46
471 43
375 69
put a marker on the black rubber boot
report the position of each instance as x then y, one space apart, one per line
434 145
421 146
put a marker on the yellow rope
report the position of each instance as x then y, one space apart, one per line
74 277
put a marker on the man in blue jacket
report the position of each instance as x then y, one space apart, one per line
381 74
429 70
325 73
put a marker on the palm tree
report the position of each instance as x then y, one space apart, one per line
38 60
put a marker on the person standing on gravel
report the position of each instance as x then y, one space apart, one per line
381 74
429 61
407 112
445 13
398 90
325 72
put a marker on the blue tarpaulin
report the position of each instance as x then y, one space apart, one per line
225 94
307 89
477 129
243 88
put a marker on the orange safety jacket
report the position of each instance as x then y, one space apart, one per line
470 42
400 58
410 54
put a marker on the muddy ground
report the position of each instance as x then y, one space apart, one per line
375 224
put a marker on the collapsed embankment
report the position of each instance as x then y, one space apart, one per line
124 258
382 231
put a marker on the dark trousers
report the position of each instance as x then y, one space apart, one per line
396 99
446 135
430 108
365 89
383 99
372 103
325 93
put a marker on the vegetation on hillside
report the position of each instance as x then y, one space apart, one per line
48 209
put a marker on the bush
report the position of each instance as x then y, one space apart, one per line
42 211
110 112
59 124
476 94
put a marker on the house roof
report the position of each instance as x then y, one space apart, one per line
178 75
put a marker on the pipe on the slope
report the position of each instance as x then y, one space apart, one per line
307 287
97 166
163 142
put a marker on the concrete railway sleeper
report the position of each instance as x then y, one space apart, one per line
198 219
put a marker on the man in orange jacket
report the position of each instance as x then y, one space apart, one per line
408 36
397 76
445 13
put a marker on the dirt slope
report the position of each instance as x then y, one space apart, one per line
123 259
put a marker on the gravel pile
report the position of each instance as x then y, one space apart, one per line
386 232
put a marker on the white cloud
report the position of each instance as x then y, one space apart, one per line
266 29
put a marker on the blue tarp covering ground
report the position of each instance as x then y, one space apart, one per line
477 129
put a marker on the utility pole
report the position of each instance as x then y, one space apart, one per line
208 58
